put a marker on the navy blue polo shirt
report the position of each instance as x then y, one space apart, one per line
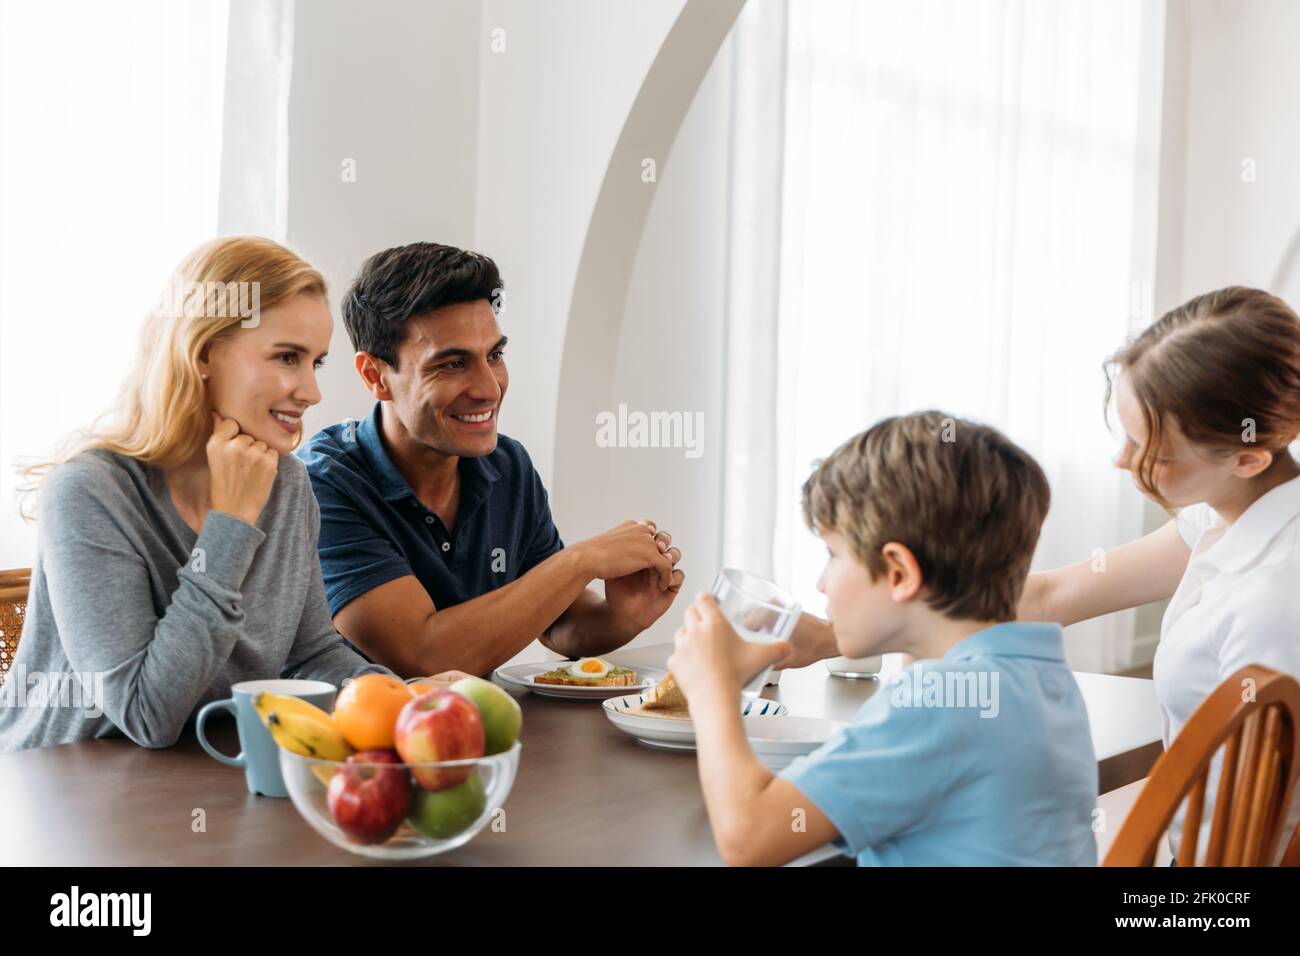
373 529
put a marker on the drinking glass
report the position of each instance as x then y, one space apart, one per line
759 610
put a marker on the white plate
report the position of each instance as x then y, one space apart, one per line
777 738
777 742
521 675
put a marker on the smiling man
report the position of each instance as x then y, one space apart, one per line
436 543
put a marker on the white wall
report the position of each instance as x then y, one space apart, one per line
670 355
1229 193
552 105
392 85
1243 106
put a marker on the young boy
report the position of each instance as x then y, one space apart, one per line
978 753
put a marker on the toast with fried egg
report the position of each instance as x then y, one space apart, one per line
588 672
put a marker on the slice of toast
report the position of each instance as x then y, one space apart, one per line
666 696
617 677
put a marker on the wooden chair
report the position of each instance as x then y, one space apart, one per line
1260 765
13 606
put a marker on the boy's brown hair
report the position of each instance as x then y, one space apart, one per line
962 497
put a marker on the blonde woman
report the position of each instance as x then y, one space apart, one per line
176 549
1209 400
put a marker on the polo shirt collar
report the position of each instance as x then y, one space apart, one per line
1246 538
476 478
1037 639
476 474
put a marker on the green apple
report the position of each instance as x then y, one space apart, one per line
502 717
443 814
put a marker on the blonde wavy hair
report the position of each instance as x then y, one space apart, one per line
160 415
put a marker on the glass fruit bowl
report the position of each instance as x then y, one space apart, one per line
399 811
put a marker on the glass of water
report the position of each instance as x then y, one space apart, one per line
758 610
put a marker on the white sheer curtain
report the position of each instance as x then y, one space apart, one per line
111 169
967 198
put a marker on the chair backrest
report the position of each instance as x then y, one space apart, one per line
13 606
1253 716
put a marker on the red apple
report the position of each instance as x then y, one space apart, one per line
439 725
369 803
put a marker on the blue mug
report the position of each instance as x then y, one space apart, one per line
259 756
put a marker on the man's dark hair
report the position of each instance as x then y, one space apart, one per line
406 281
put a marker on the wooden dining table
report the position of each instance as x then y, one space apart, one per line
585 794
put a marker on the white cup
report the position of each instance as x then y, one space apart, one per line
863 668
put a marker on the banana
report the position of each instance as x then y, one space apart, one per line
324 772
265 703
308 736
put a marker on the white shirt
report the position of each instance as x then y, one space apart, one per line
1238 603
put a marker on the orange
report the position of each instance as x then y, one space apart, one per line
366 710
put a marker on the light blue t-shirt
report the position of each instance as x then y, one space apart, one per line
981 758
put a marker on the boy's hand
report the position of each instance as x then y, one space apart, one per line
711 658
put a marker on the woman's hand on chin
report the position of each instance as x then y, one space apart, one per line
242 470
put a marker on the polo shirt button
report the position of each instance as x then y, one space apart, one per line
446 546
428 519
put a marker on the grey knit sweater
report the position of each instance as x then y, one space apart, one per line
133 621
